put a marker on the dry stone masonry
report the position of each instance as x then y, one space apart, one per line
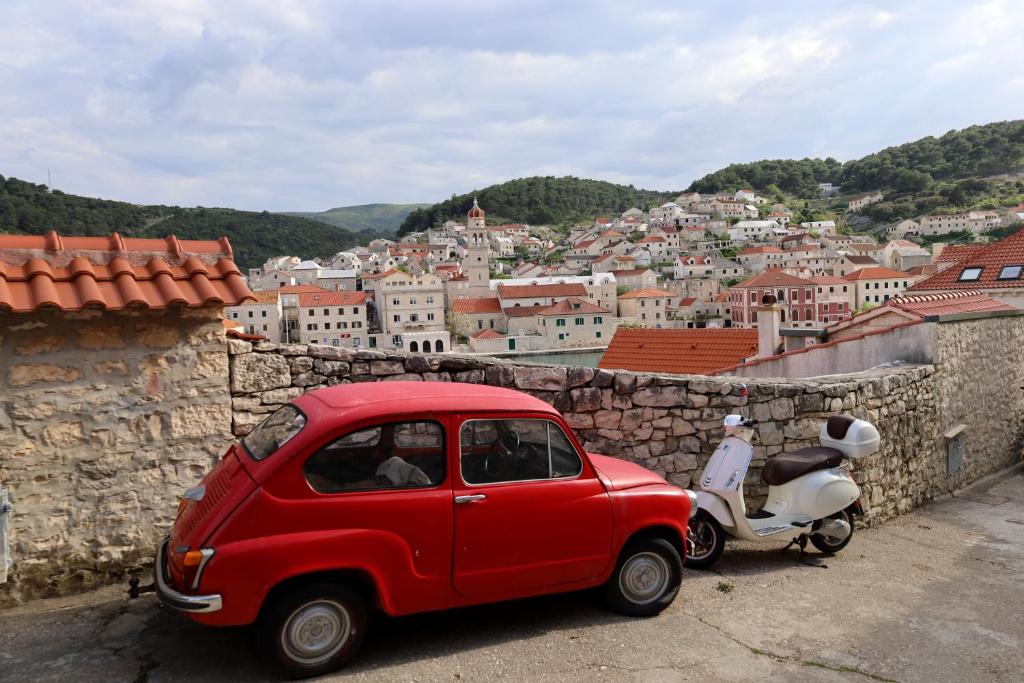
104 419
668 423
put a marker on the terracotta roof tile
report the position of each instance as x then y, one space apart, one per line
310 299
488 334
944 303
522 311
774 277
535 291
114 273
646 294
680 351
570 306
874 273
958 252
301 289
266 296
488 304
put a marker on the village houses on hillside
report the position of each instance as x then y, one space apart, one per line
698 262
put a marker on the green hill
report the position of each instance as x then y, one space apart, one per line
380 219
914 167
31 209
538 200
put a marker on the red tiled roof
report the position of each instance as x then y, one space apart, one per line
920 270
570 306
301 289
653 239
332 299
487 304
774 277
874 273
649 293
828 280
522 311
1008 251
861 260
958 252
536 291
377 276
266 296
114 273
488 334
944 303
681 351
627 273
687 301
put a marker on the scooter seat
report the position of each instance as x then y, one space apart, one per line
786 467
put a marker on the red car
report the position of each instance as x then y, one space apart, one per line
408 497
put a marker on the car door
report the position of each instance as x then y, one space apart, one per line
529 511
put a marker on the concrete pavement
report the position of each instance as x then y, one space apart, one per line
936 595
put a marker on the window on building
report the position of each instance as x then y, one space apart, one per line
250 314
561 336
970 274
398 318
310 326
264 328
341 311
414 317
327 326
1010 272
412 301
234 314
598 320
312 312
479 324
560 322
327 311
263 313
357 324
579 321
430 316
395 302
598 334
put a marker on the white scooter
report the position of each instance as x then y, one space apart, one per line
811 495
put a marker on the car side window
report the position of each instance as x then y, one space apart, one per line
390 456
493 451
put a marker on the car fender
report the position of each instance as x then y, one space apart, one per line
716 507
646 507
247 570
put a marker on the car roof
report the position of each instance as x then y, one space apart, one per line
448 397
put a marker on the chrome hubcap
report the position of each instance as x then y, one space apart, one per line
316 631
644 577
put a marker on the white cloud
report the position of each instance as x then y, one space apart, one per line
298 105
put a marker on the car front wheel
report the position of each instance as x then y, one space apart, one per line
312 630
646 578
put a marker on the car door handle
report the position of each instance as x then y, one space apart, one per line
465 500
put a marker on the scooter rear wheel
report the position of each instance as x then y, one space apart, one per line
826 544
705 541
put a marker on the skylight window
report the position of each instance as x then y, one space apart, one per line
1010 273
970 274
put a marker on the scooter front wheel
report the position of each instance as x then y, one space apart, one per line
705 541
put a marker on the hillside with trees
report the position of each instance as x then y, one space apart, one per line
380 219
914 167
538 200
27 208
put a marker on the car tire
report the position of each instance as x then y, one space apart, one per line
646 578
706 540
312 629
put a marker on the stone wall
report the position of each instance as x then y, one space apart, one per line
668 423
104 419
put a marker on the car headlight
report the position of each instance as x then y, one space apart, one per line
693 502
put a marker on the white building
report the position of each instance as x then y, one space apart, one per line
262 317
333 318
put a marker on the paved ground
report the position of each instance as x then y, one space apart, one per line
936 595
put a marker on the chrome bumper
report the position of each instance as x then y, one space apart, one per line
174 599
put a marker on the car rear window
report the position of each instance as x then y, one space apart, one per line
274 432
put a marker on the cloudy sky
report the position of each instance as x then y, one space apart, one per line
282 105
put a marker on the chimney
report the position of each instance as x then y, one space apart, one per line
769 322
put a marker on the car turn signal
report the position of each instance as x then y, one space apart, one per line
193 558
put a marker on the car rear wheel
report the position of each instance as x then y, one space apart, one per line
313 629
646 578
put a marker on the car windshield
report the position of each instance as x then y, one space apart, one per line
274 432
